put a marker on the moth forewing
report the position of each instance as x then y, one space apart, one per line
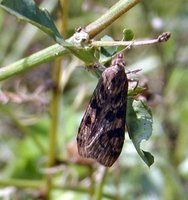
101 132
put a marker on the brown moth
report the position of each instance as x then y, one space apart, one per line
102 129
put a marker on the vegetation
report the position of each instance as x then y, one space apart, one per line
45 88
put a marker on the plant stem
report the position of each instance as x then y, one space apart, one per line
54 106
22 183
162 38
99 190
110 16
55 51
31 61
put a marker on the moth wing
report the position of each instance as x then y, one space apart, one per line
90 120
106 139
101 132
84 131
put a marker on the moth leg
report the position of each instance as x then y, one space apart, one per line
134 80
133 71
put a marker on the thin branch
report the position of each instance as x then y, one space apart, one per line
55 101
54 51
162 38
32 61
110 16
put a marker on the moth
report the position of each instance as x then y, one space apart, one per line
102 129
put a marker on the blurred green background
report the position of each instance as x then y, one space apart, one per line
25 104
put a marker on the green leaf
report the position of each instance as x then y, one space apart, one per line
128 34
139 126
106 53
135 91
28 11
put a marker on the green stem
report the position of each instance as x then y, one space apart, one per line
56 95
99 190
54 119
31 61
55 51
19 183
110 16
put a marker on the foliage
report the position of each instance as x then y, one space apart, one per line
27 108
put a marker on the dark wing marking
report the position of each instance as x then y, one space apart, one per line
101 132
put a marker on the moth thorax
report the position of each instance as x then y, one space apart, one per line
119 61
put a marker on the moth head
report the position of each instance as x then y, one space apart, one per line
119 61
113 77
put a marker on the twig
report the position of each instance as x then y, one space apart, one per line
56 50
161 38
110 16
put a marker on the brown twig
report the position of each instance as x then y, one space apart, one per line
161 38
